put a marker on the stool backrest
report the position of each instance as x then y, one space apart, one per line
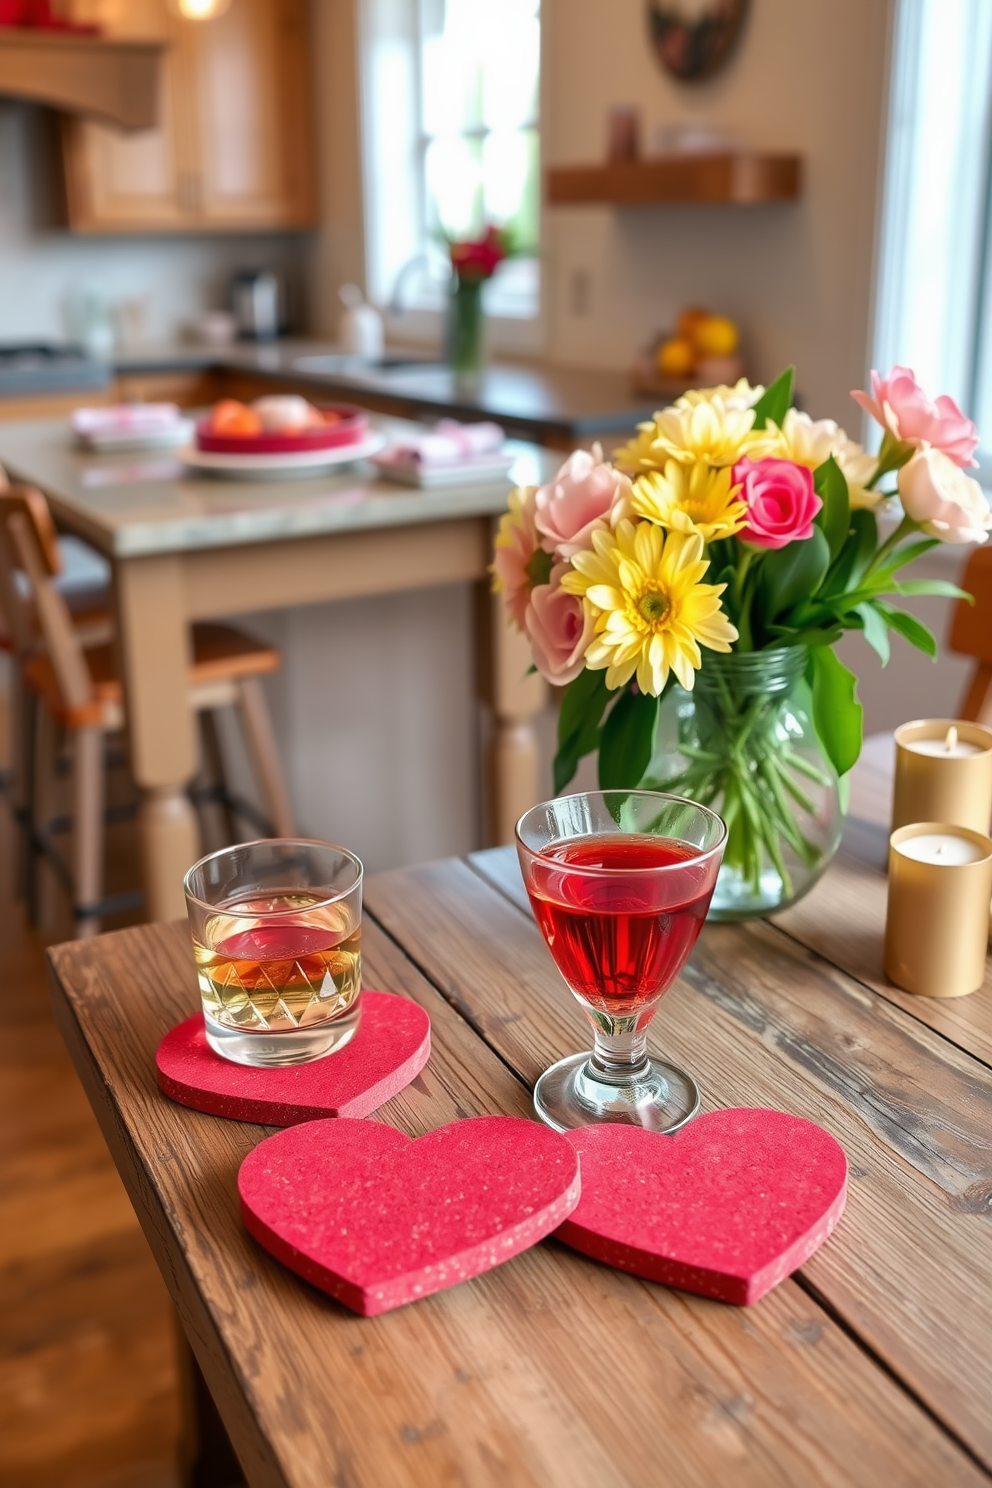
971 625
29 547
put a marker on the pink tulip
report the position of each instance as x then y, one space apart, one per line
559 628
781 501
578 501
900 405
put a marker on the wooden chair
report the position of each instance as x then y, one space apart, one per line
971 635
80 693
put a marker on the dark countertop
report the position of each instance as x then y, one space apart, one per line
532 400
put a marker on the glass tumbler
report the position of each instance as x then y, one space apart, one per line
277 940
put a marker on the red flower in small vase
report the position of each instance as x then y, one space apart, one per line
479 258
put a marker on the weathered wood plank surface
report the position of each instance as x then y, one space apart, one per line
551 1370
762 1021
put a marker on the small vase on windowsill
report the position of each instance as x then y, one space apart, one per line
466 332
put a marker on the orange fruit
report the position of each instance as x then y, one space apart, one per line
675 358
689 321
233 418
717 337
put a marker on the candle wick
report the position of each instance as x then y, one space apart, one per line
951 741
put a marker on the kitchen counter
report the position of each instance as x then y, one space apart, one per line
134 505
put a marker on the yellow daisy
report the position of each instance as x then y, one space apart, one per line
742 395
687 498
710 432
650 609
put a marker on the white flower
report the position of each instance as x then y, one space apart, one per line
947 503
741 395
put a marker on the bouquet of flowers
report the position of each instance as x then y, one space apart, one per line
737 538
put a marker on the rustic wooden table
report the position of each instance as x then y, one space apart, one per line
870 1366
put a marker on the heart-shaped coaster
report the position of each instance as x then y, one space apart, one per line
727 1207
389 1049
378 1219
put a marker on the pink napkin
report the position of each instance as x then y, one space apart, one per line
125 418
449 443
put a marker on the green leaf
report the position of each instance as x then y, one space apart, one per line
907 553
811 636
628 741
776 400
876 631
837 714
834 516
578 723
855 556
911 629
792 573
941 587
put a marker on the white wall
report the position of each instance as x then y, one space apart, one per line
42 264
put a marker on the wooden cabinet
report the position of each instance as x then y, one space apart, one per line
232 151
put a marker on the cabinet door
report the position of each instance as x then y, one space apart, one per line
251 110
132 181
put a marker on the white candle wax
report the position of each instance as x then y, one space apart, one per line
941 847
939 747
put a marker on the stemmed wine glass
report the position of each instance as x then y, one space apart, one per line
620 882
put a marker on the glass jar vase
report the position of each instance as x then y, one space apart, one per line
466 331
743 743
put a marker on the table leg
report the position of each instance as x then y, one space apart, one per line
206 1456
153 656
517 696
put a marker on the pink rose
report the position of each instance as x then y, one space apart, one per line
901 406
515 549
560 629
781 501
578 501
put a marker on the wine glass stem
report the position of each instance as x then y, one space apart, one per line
621 1053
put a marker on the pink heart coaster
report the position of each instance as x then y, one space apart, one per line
389 1049
727 1207
378 1219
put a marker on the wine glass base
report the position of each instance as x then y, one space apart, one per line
574 1093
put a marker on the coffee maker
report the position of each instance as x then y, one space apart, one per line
255 300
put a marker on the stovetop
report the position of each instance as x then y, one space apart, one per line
39 367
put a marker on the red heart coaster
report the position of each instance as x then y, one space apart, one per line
727 1207
389 1049
378 1219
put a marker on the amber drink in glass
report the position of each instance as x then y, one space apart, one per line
277 936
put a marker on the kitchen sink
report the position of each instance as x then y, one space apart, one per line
358 366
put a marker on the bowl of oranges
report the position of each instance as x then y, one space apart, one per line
703 350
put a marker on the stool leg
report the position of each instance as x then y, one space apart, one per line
22 730
87 847
213 759
977 705
261 741
42 899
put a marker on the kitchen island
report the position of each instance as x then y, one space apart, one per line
184 548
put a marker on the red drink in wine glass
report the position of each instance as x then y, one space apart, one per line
620 882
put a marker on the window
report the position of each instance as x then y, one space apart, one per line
451 143
934 297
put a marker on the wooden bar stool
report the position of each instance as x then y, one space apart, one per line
971 635
79 692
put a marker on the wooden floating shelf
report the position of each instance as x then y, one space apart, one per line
105 77
741 178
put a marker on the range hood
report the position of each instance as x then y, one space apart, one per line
110 78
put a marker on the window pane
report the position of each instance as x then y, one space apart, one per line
510 183
453 169
481 60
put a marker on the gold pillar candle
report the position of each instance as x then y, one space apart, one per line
943 773
936 925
